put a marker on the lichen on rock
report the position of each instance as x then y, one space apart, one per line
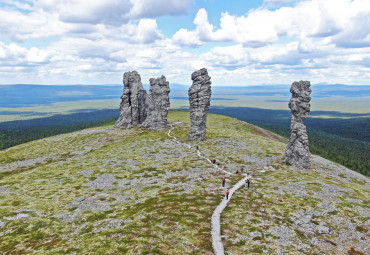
297 151
199 99
158 103
132 107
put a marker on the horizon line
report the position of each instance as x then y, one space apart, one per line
179 84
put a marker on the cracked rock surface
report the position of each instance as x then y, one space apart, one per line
158 103
132 107
199 99
297 151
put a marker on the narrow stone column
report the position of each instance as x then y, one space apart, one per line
199 99
132 107
297 151
158 103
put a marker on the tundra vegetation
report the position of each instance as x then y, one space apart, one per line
134 191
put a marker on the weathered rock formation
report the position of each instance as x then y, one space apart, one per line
297 151
199 98
132 108
158 103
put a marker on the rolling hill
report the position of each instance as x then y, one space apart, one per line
130 191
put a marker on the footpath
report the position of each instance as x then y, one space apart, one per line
217 244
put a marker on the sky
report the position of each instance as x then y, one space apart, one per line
240 42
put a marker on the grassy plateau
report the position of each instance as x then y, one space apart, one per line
132 191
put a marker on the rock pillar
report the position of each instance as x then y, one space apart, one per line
199 99
132 107
297 151
158 103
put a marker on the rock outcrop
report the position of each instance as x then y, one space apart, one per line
158 103
199 98
297 151
132 108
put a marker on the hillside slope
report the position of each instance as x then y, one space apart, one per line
131 191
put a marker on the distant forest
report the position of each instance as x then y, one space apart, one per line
21 131
345 141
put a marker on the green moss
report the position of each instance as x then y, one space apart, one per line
358 181
362 229
259 249
333 213
96 216
352 251
314 186
254 229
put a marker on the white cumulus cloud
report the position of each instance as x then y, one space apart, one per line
112 12
316 18
80 41
147 31
156 8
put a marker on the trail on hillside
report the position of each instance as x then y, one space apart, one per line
217 244
199 153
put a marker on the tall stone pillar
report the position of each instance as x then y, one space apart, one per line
297 151
158 103
132 107
199 99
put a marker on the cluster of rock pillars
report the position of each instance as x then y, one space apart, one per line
150 111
